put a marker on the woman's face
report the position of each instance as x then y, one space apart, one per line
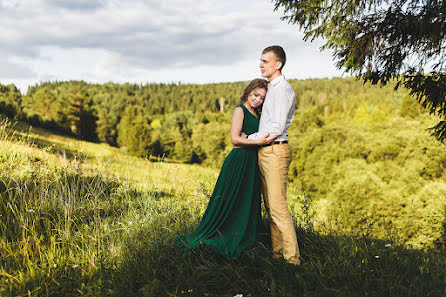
256 97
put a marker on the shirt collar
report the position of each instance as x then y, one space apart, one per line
277 80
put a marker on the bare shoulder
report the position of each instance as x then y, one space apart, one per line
238 111
238 115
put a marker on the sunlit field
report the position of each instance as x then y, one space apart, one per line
81 218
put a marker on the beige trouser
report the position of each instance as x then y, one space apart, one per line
274 161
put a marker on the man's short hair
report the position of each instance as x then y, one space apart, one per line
278 51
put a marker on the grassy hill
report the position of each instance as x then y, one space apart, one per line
81 218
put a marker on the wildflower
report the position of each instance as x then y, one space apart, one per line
75 266
30 210
388 245
55 265
376 257
239 295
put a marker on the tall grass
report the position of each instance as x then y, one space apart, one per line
86 226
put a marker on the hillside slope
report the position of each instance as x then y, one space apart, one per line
86 219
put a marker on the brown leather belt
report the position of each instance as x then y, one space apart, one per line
275 142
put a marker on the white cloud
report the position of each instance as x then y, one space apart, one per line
75 4
110 40
11 67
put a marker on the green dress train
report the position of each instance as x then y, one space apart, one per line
231 220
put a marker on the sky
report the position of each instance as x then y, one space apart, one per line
137 41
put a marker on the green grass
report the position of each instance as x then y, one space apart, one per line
94 221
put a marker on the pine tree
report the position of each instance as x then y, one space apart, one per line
383 40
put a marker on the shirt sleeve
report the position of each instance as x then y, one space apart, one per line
256 136
279 115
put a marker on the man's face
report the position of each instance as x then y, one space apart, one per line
268 64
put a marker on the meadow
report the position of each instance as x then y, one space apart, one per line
367 192
87 219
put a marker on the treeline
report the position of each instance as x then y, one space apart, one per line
185 122
125 115
10 101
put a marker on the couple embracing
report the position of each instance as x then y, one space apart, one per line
258 163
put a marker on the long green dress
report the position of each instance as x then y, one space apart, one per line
231 220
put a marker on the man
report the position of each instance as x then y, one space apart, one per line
275 158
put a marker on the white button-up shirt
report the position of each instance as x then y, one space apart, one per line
278 110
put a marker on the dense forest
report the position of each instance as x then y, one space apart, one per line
362 153
185 122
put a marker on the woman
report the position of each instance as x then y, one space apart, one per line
230 222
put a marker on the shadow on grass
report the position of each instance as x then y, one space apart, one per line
148 264
39 140
332 266
42 144
441 244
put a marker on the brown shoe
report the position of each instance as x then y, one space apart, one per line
277 255
293 261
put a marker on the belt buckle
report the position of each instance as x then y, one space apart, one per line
275 142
